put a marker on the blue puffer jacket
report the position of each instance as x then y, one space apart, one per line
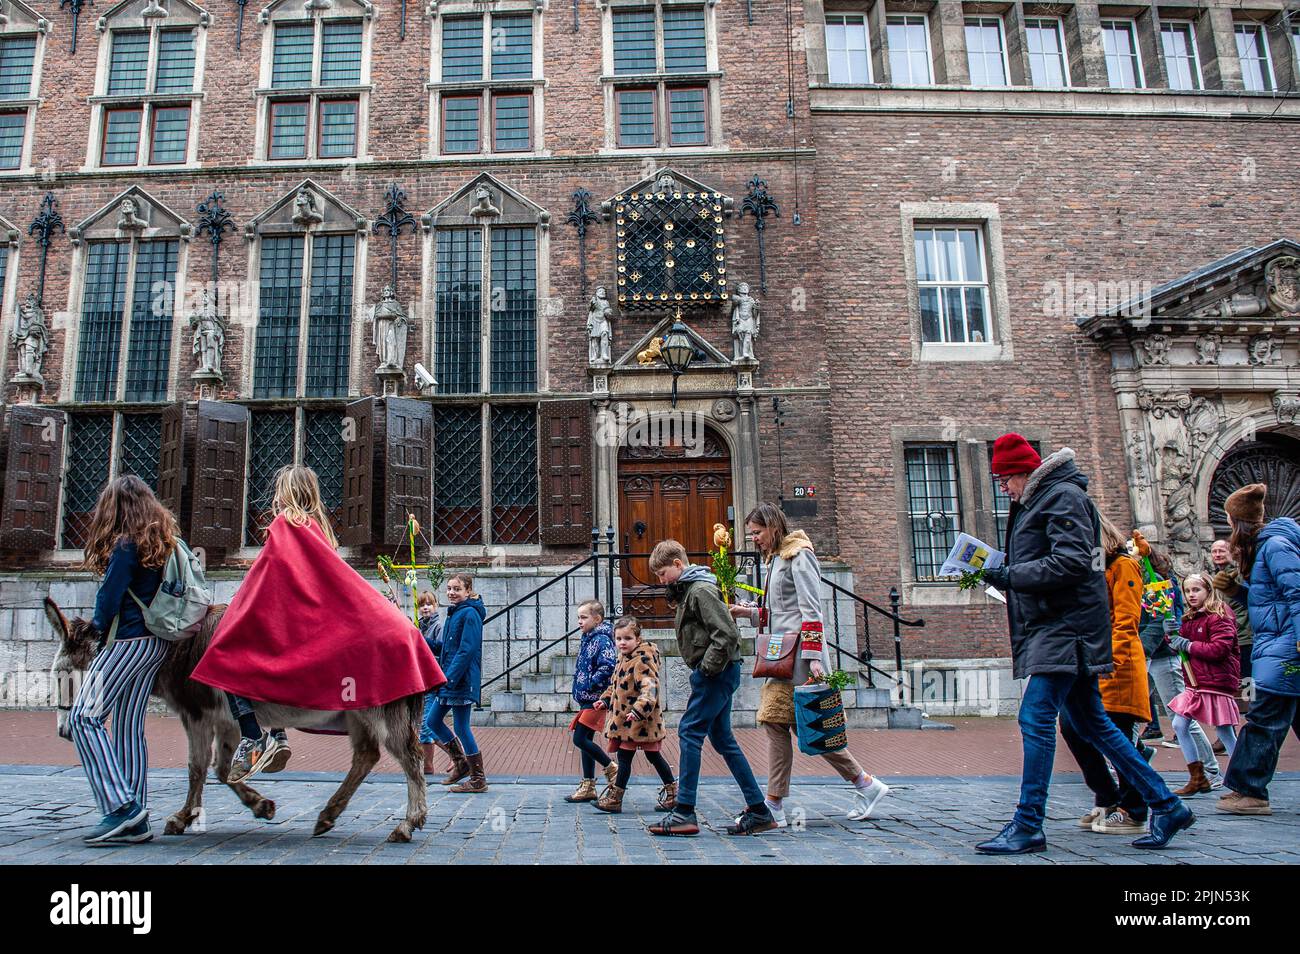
462 652
597 659
1273 602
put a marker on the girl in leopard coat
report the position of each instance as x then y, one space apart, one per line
636 720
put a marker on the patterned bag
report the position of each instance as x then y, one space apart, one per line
819 719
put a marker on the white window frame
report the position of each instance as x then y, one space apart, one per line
1172 26
1130 26
1257 29
1058 27
907 19
844 21
1295 52
964 283
290 12
983 20
39 28
487 87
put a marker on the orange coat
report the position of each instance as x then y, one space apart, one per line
1125 690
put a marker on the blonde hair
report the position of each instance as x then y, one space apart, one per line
665 552
1213 601
596 607
427 598
628 622
1112 541
297 497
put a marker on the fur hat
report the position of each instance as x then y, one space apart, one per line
1246 505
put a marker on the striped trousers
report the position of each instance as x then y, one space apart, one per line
117 684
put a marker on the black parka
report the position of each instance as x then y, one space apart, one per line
1058 606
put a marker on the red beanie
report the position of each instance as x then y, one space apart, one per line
1013 455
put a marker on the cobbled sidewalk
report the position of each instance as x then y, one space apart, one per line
44 810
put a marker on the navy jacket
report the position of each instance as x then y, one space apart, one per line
462 652
1273 602
597 659
124 570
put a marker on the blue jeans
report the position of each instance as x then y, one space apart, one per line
1077 700
1254 760
427 733
708 714
459 719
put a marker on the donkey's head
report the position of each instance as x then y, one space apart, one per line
76 649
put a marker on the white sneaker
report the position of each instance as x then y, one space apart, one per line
778 812
866 798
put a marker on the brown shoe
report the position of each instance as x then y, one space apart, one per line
429 748
586 792
667 798
1219 748
459 764
611 800
1096 815
477 781
1196 781
1119 822
1235 803
611 773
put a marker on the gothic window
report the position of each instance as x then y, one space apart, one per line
461 515
487 78
149 89
101 447
311 436
22 47
671 246
317 62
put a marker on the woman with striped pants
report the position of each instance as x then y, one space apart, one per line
130 538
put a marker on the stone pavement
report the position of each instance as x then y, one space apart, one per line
524 820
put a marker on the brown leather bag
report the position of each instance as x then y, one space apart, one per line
776 655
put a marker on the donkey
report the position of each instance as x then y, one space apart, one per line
207 719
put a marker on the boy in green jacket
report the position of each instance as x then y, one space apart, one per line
710 646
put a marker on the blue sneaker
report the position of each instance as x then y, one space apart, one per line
139 834
128 816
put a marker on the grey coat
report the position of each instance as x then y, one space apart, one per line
1058 605
793 597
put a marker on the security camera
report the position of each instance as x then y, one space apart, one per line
423 379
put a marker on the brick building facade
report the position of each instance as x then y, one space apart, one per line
954 181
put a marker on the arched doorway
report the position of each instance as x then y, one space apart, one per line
663 494
1272 459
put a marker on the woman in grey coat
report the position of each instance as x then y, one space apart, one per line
792 603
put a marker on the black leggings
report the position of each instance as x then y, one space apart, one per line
656 760
591 752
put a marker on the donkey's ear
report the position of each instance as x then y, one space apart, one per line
57 619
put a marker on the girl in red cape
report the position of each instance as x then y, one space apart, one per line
305 630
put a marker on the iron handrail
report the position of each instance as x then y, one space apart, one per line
536 590
870 605
505 673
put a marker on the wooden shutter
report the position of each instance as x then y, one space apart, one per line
33 475
171 461
408 453
358 472
220 458
565 449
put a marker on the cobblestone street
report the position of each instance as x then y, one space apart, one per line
524 820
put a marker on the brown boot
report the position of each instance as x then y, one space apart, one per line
459 764
1196 782
429 749
611 773
586 792
667 798
477 781
611 800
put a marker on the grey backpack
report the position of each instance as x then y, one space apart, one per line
183 598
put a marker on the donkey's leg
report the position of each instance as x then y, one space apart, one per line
365 754
200 734
227 739
403 743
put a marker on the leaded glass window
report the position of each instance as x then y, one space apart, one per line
340 53
932 506
514 310
291 58
322 451
653 113
684 50
670 248
275 364
151 321
512 47
462 48
634 41
514 474
457 475
270 447
88 460
13 129
103 301
148 132
175 61
512 122
121 137
139 446
338 128
17 62
636 117
329 333
459 300
289 129
171 131
310 61
460 124
687 117
128 67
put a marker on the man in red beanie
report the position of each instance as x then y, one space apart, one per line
1058 609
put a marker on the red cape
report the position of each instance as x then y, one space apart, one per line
305 630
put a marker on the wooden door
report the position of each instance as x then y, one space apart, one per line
665 494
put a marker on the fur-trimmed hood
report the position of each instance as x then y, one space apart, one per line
1050 464
794 541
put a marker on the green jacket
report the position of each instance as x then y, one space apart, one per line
707 636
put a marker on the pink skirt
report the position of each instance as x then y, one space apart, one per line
1206 706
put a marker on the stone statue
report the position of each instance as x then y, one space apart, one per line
209 336
483 203
1283 277
153 9
388 331
599 330
1262 350
128 220
1241 305
665 183
744 323
1207 348
305 212
31 338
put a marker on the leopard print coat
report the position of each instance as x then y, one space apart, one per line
635 688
